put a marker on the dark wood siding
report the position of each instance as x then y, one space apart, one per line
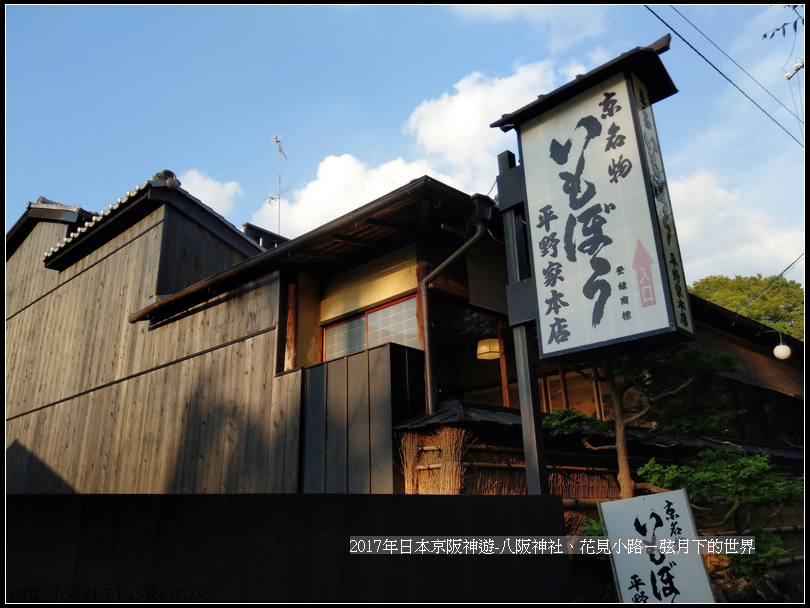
381 439
358 437
95 404
314 414
336 440
189 253
26 277
350 409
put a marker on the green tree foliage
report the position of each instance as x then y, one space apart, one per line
677 388
722 480
772 301
720 483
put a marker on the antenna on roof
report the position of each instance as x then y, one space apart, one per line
277 140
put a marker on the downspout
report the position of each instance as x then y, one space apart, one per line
430 389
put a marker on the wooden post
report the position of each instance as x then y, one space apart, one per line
504 375
292 321
563 388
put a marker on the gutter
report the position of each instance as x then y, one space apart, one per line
483 209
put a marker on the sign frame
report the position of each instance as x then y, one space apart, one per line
666 509
559 146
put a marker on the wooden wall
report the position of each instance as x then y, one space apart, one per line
193 404
351 407
108 406
208 424
190 253
26 277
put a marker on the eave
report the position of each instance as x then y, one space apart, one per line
129 210
385 224
644 62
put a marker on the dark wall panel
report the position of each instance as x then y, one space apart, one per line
336 416
314 413
350 408
358 470
381 437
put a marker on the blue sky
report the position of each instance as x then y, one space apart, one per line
366 98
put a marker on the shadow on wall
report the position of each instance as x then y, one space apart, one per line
27 474
224 423
233 442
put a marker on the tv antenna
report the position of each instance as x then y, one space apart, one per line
277 140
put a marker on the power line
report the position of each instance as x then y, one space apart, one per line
796 67
794 37
724 76
735 63
793 97
767 286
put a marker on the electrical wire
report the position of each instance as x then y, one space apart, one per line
724 76
793 97
737 64
794 39
493 187
767 286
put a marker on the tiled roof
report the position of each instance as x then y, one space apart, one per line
163 178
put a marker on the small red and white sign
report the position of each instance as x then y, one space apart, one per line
642 262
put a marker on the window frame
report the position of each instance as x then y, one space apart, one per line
363 314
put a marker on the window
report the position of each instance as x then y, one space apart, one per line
395 323
574 392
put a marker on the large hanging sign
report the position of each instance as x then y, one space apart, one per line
605 255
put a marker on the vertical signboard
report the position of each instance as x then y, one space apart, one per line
600 224
656 575
654 165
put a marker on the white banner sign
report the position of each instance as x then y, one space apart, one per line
599 265
655 575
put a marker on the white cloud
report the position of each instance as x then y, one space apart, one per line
563 26
721 231
343 184
718 235
217 195
454 131
451 131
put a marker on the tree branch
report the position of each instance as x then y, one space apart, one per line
661 445
673 392
586 442
651 487
653 401
592 377
640 414
728 515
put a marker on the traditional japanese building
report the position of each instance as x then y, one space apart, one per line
155 348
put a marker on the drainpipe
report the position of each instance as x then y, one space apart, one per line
481 214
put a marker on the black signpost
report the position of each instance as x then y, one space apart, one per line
522 304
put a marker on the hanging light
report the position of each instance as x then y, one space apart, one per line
781 350
488 349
